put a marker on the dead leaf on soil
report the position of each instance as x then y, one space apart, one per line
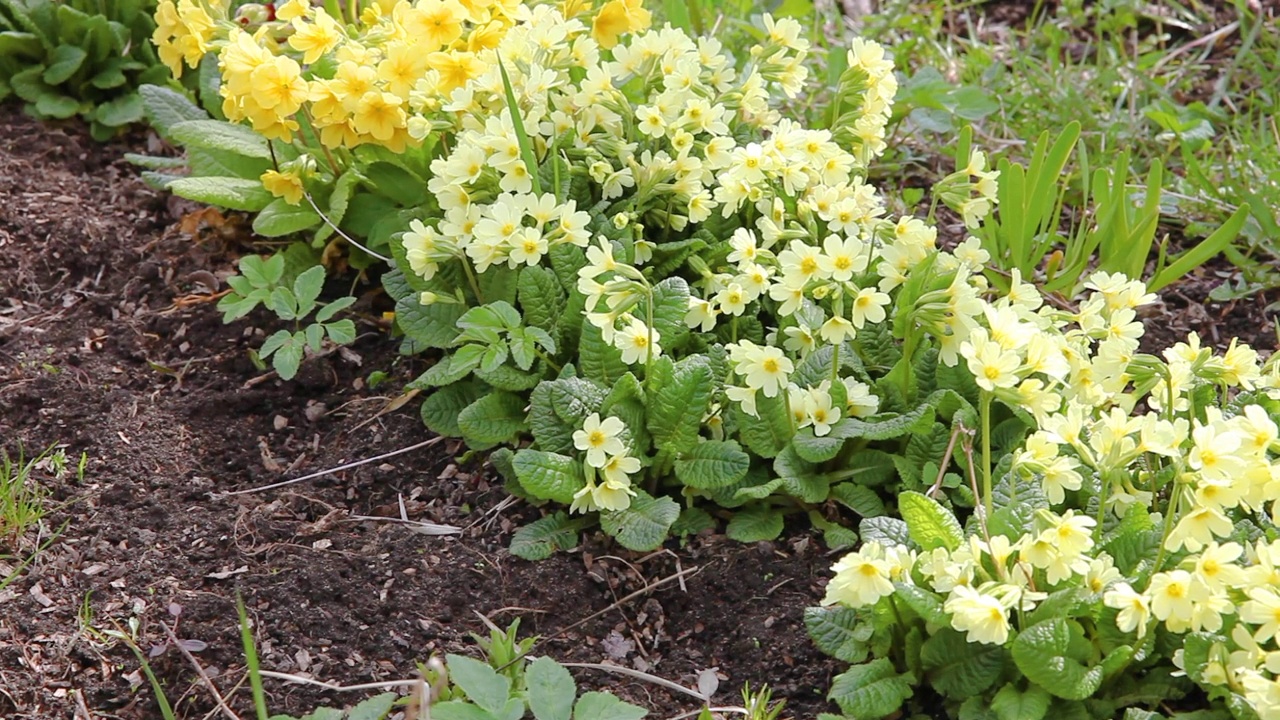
223 575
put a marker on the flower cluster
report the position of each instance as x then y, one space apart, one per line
606 460
1120 435
380 79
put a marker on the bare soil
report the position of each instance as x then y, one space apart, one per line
110 345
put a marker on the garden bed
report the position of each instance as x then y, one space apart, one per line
108 348
110 345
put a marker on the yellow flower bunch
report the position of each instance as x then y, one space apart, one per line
184 32
344 84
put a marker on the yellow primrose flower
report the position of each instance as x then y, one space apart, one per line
284 185
861 578
983 617
617 18
599 438
316 38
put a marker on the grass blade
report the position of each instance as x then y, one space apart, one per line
251 661
517 122
1202 252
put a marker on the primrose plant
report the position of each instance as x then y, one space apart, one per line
1123 561
262 282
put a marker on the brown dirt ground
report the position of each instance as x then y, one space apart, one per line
110 346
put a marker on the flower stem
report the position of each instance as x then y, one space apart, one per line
471 279
984 409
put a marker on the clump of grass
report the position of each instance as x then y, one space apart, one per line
22 499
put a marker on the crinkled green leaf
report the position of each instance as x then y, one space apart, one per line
62 63
799 478
859 498
841 632
441 409
712 464
670 305
598 360
549 476
1040 652
678 397
494 418
1010 703
871 691
426 326
817 449
769 433
544 537
644 525
958 668
888 531
541 297
754 524
926 604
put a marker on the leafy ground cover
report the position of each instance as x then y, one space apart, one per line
111 345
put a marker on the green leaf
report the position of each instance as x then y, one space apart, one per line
871 691
1010 703
597 359
57 106
886 428
482 684
441 409
768 434
494 418
817 449
288 358
374 708
801 479
228 192
279 218
692 521
958 668
888 531
840 632
544 537
644 525
670 305
926 604
307 287
218 136
549 476
426 326
63 62
121 111
754 524
604 706
339 200
551 690
460 710
1040 652
505 377
931 525
679 394
712 464
859 498
541 297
